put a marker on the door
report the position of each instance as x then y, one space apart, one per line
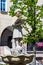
9 44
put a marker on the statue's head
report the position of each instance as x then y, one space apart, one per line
17 12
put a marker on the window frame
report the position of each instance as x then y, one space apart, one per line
1 7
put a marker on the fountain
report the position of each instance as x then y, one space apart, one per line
17 57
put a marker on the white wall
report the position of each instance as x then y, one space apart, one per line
5 19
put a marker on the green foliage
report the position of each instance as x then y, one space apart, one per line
11 11
32 14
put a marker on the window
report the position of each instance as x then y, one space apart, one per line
39 45
2 5
29 47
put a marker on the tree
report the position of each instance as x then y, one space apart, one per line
31 13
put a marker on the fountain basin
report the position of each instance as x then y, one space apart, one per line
18 60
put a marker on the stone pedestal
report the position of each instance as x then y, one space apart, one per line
18 60
18 64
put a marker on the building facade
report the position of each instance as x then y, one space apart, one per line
5 21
